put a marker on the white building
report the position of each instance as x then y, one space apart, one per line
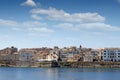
111 54
52 56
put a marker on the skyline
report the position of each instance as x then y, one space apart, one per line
48 23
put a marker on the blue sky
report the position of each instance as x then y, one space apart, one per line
48 23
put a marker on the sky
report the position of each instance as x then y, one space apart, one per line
63 23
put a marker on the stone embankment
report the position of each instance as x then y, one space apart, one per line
63 64
90 64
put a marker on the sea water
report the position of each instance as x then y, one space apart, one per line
7 73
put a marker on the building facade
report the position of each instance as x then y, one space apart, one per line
97 54
26 55
8 54
111 54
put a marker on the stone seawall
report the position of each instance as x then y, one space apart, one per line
90 64
29 64
62 64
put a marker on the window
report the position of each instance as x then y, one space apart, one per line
118 53
104 53
118 50
23 55
112 51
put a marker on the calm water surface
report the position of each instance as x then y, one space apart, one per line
59 73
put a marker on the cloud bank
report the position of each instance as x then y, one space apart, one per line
29 3
61 15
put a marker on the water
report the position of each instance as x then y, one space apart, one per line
7 73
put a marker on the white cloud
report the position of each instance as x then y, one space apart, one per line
33 24
88 27
74 21
29 3
12 23
67 26
61 15
34 16
43 29
28 26
8 22
37 27
99 26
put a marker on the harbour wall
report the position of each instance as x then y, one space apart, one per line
61 64
90 64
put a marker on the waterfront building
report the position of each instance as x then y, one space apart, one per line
69 56
8 50
63 57
97 54
38 56
8 54
86 55
72 48
4 57
26 55
52 56
111 54
14 56
41 56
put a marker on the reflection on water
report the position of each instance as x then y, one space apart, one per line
59 73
